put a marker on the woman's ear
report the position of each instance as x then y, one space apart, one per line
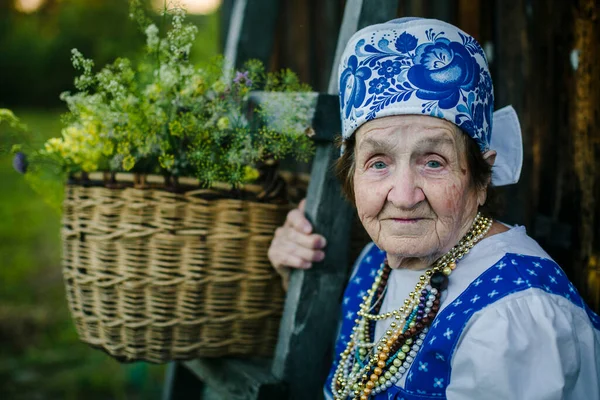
490 158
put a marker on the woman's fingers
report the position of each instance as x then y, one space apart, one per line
295 219
290 249
313 241
294 245
306 255
302 205
288 243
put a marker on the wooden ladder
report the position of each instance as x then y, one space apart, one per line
310 320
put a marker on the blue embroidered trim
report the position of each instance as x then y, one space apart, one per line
429 374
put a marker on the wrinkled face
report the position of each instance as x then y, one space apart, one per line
412 185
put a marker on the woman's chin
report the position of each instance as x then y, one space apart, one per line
409 247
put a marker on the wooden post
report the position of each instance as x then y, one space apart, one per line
311 315
511 68
586 137
357 15
180 383
251 31
469 17
445 10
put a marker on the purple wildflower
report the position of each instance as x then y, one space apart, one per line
20 162
242 78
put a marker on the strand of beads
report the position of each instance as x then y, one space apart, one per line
364 368
399 345
351 366
366 371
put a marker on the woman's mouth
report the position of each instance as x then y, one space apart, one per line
407 220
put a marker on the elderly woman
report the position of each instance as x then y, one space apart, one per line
446 302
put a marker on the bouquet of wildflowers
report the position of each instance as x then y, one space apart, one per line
167 116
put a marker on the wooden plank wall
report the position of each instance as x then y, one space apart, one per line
585 121
544 59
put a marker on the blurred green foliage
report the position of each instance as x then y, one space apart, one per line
35 56
40 354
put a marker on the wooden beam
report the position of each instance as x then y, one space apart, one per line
469 17
326 119
510 77
357 15
326 20
444 10
225 12
305 347
236 379
586 137
180 383
251 31
415 8
307 332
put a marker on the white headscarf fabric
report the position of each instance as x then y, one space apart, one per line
428 67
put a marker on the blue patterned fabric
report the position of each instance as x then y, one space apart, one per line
429 374
416 66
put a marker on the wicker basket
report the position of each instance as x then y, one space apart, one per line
158 274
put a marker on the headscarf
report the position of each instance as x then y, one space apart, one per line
428 67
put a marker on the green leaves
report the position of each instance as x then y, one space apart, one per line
165 115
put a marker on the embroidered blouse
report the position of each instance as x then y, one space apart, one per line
510 325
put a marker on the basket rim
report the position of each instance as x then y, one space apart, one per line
276 191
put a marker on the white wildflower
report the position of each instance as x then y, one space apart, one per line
152 38
167 76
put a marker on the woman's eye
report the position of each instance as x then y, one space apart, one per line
434 164
379 165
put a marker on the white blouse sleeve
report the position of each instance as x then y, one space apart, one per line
530 345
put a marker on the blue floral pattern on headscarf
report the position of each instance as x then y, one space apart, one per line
355 78
430 67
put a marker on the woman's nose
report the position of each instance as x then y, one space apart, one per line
406 191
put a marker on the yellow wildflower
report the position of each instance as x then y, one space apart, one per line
219 86
153 92
108 147
200 85
250 174
54 145
223 123
128 162
166 161
123 147
176 128
89 166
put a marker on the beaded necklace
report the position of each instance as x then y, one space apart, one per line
369 367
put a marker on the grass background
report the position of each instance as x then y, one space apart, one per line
41 356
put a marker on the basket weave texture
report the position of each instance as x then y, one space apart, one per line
158 275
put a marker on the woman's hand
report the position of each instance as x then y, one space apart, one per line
294 245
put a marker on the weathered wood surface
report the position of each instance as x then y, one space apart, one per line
304 349
307 333
180 383
512 49
586 138
357 15
251 31
237 379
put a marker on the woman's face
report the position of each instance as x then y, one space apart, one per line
412 185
